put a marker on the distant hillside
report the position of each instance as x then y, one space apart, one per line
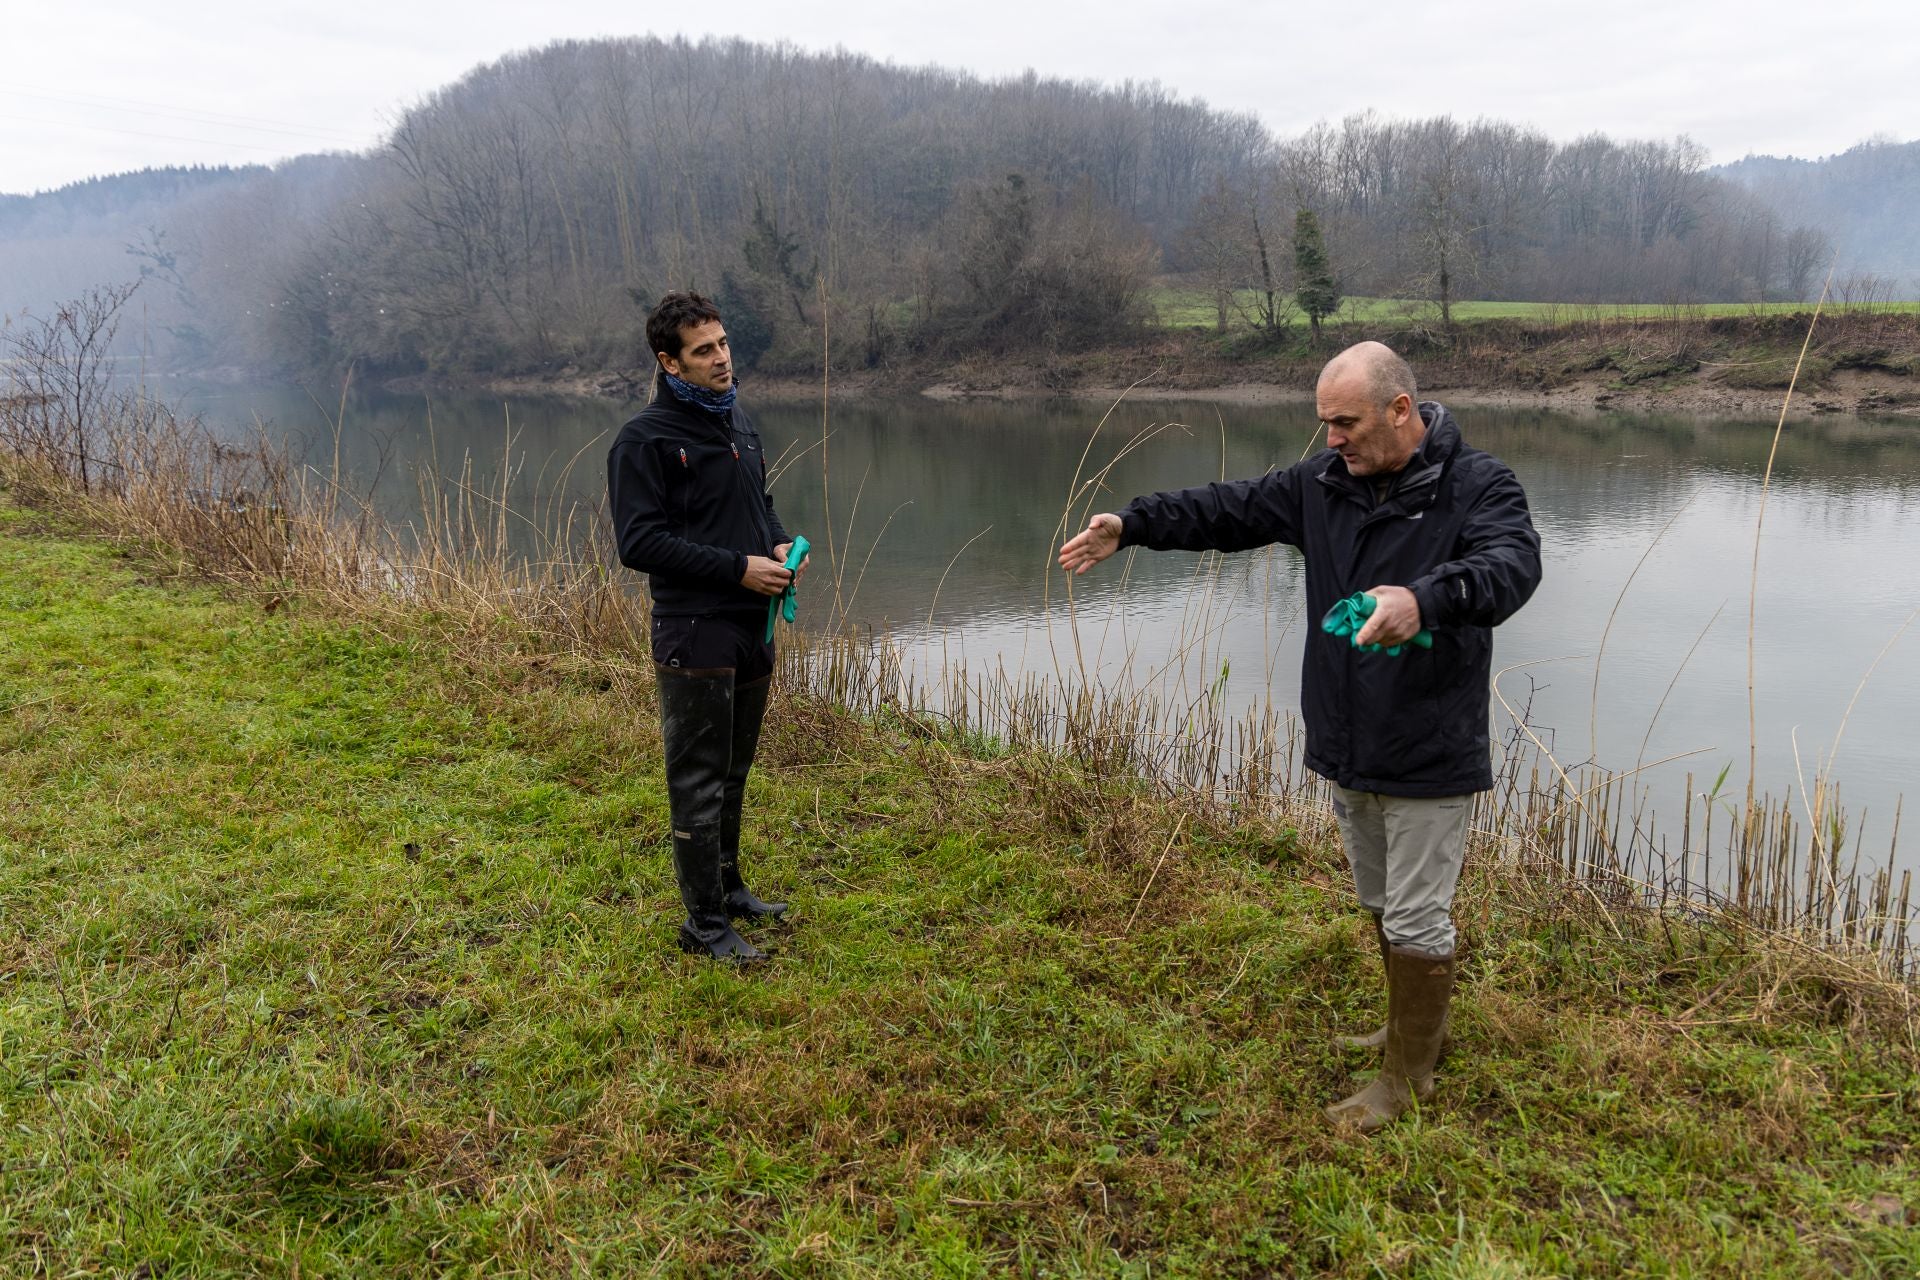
185 232
1867 200
56 244
522 219
118 200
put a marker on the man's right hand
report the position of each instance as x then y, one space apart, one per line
767 577
1100 539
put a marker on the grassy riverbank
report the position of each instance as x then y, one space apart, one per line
1655 359
1177 305
338 943
1857 362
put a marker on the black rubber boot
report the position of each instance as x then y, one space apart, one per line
749 710
706 931
696 726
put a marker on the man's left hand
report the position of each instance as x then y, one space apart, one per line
1395 618
780 554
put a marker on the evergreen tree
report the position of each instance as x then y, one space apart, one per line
1314 287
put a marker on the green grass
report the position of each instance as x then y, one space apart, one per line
329 952
1179 307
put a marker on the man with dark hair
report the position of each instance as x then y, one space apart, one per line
1437 535
687 482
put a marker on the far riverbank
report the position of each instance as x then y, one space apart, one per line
1856 363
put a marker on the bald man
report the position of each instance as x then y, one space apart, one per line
1438 533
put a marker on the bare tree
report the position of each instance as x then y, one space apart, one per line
1807 250
1216 244
1443 231
61 372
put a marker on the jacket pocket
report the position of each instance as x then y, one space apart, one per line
673 641
1402 733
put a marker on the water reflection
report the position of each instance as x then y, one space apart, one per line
944 519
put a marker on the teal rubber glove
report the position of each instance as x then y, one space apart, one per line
783 605
1350 615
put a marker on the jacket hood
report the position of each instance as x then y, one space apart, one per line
1442 440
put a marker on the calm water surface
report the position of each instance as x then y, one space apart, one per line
945 519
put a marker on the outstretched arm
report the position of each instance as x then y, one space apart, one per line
1100 539
1232 515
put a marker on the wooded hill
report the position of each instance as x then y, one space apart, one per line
1864 198
524 218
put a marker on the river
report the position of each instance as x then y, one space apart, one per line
943 519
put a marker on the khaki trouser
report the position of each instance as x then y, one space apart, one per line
1405 853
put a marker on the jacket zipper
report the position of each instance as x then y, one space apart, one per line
1428 479
755 499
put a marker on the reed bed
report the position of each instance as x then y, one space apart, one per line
1764 870
545 585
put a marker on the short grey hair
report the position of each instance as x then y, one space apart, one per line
1386 373
1388 376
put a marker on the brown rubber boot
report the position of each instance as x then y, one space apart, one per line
1419 989
1376 1040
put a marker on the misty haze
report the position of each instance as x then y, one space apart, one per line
520 220
490 790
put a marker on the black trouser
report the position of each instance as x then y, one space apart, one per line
715 642
714 673
731 648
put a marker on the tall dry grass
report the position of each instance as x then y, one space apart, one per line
250 515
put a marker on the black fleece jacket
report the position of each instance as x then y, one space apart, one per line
1453 528
688 490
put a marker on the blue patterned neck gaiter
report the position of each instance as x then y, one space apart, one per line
711 401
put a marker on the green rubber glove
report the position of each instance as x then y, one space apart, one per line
783 605
1350 615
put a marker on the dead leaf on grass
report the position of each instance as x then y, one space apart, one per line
1885 1209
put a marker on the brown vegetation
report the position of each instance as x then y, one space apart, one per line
246 516
521 220
1859 363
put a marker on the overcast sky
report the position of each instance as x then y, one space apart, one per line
102 86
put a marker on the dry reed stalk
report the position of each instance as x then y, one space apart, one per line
262 524
1593 703
1753 584
826 488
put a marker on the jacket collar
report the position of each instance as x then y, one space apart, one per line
1415 483
664 394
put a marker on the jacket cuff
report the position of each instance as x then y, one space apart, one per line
739 563
1133 528
1426 594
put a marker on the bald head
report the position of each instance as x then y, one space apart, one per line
1366 400
1375 364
